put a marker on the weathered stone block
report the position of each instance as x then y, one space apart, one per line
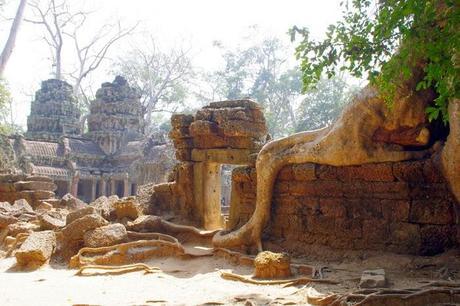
433 211
51 222
77 228
333 207
72 203
223 156
241 128
36 249
272 265
395 210
304 172
436 239
105 235
181 120
349 228
35 185
74 215
203 128
373 279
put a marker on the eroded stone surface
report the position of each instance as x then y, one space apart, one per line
105 235
373 279
77 228
271 265
36 249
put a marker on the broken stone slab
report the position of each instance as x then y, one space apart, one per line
36 249
72 203
105 235
35 185
271 265
74 215
51 222
77 228
7 219
21 206
22 227
104 206
127 208
373 279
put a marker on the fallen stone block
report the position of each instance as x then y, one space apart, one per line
104 205
127 208
77 228
74 215
36 249
22 227
51 222
72 203
105 235
7 219
21 206
373 279
271 265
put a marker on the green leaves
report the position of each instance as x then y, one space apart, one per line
384 41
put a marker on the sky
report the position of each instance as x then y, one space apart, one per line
196 24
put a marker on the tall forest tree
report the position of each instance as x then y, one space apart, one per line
11 40
62 25
160 76
262 72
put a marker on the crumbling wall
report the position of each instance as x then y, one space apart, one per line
53 112
402 207
34 189
226 132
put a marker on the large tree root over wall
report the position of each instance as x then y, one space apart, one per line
354 139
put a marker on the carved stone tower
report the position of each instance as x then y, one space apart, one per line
115 116
54 112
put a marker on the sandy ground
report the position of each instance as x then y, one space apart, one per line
198 282
183 282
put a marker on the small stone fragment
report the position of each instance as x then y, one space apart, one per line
36 249
373 279
272 265
105 235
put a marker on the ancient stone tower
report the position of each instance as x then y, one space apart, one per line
54 112
115 116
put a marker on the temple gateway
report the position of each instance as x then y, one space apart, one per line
109 156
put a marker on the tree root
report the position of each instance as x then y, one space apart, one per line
234 257
116 270
133 251
404 297
286 282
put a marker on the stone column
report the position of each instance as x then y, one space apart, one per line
112 187
103 187
126 187
69 186
93 189
74 187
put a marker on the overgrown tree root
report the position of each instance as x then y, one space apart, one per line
432 294
134 251
116 270
234 257
286 282
135 236
349 141
157 224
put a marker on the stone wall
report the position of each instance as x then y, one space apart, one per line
402 207
34 189
226 132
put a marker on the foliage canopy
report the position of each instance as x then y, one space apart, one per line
384 40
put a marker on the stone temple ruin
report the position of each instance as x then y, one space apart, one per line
365 185
112 157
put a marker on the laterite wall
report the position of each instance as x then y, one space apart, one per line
402 207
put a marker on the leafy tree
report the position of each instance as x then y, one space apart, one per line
386 41
323 104
161 78
7 125
261 72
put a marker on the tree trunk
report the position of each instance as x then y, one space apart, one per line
8 49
